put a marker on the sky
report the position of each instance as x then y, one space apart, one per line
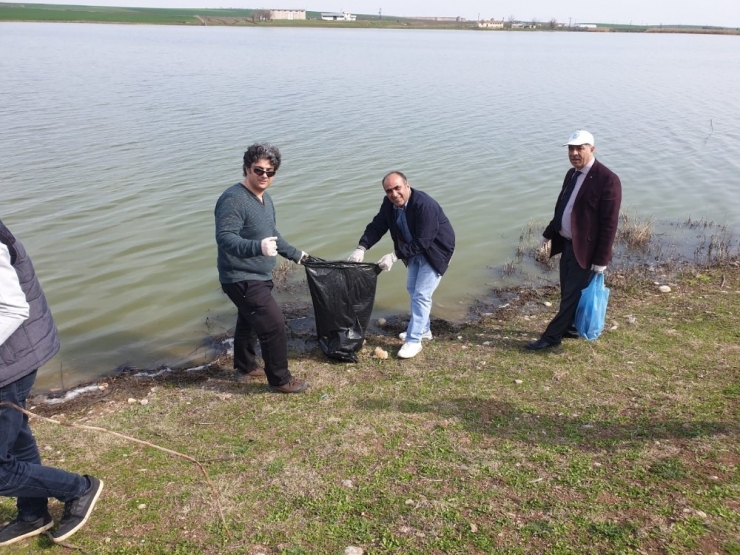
724 13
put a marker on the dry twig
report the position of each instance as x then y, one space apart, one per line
129 438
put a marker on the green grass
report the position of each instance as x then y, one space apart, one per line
628 444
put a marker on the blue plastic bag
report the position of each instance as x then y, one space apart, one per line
591 311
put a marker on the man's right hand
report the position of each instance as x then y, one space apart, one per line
269 246
357 256
543 242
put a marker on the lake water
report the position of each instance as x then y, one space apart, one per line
117 140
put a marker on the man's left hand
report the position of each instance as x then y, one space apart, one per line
598 269
386 262
304 255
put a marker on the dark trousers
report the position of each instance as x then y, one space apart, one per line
573 279
21 473
260 316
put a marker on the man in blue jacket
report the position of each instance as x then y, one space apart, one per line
423 238
28 339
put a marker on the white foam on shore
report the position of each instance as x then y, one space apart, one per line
152 374
71 395
230 350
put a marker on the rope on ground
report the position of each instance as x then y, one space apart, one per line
135 440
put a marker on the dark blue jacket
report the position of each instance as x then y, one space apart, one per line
433 236
36 341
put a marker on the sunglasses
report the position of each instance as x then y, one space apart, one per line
262 171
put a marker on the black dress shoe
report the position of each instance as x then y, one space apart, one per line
541 344
571 333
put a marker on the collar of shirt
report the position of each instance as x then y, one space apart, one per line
587 168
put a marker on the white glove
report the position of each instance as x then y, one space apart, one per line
598 269
269 246
304 255
358 255
386 262
543 242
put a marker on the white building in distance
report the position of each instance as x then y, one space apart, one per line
336 16
288 14
491 24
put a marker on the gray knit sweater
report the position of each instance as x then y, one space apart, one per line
242 221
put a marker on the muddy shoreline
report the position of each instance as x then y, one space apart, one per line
526 282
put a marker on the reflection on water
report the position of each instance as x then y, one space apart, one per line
117 141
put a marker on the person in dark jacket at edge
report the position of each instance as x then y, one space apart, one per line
28 339
583 230
423 238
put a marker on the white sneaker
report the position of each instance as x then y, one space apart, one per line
409 350
425 336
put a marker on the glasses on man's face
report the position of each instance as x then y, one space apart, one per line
262 171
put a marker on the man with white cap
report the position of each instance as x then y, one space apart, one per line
583 230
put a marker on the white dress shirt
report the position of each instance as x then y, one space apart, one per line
566 230
14 309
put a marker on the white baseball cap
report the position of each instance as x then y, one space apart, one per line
580 137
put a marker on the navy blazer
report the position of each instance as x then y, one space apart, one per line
433 236
594 218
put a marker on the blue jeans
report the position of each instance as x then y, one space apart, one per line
21 473
421 281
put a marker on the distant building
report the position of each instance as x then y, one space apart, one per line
337 16
456 19
585 26
288 14
491 24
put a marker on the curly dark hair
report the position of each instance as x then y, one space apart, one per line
261 151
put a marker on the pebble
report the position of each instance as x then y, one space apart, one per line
144 402
518 382
701 514
380 353
473 528
131 400
382 322
486 342
142 506
547 304
352 550
664 289
347 483
409 502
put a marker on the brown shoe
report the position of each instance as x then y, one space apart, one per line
244 376
295 385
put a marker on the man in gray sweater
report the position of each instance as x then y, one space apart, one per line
248 242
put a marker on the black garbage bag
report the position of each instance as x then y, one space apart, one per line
343 294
